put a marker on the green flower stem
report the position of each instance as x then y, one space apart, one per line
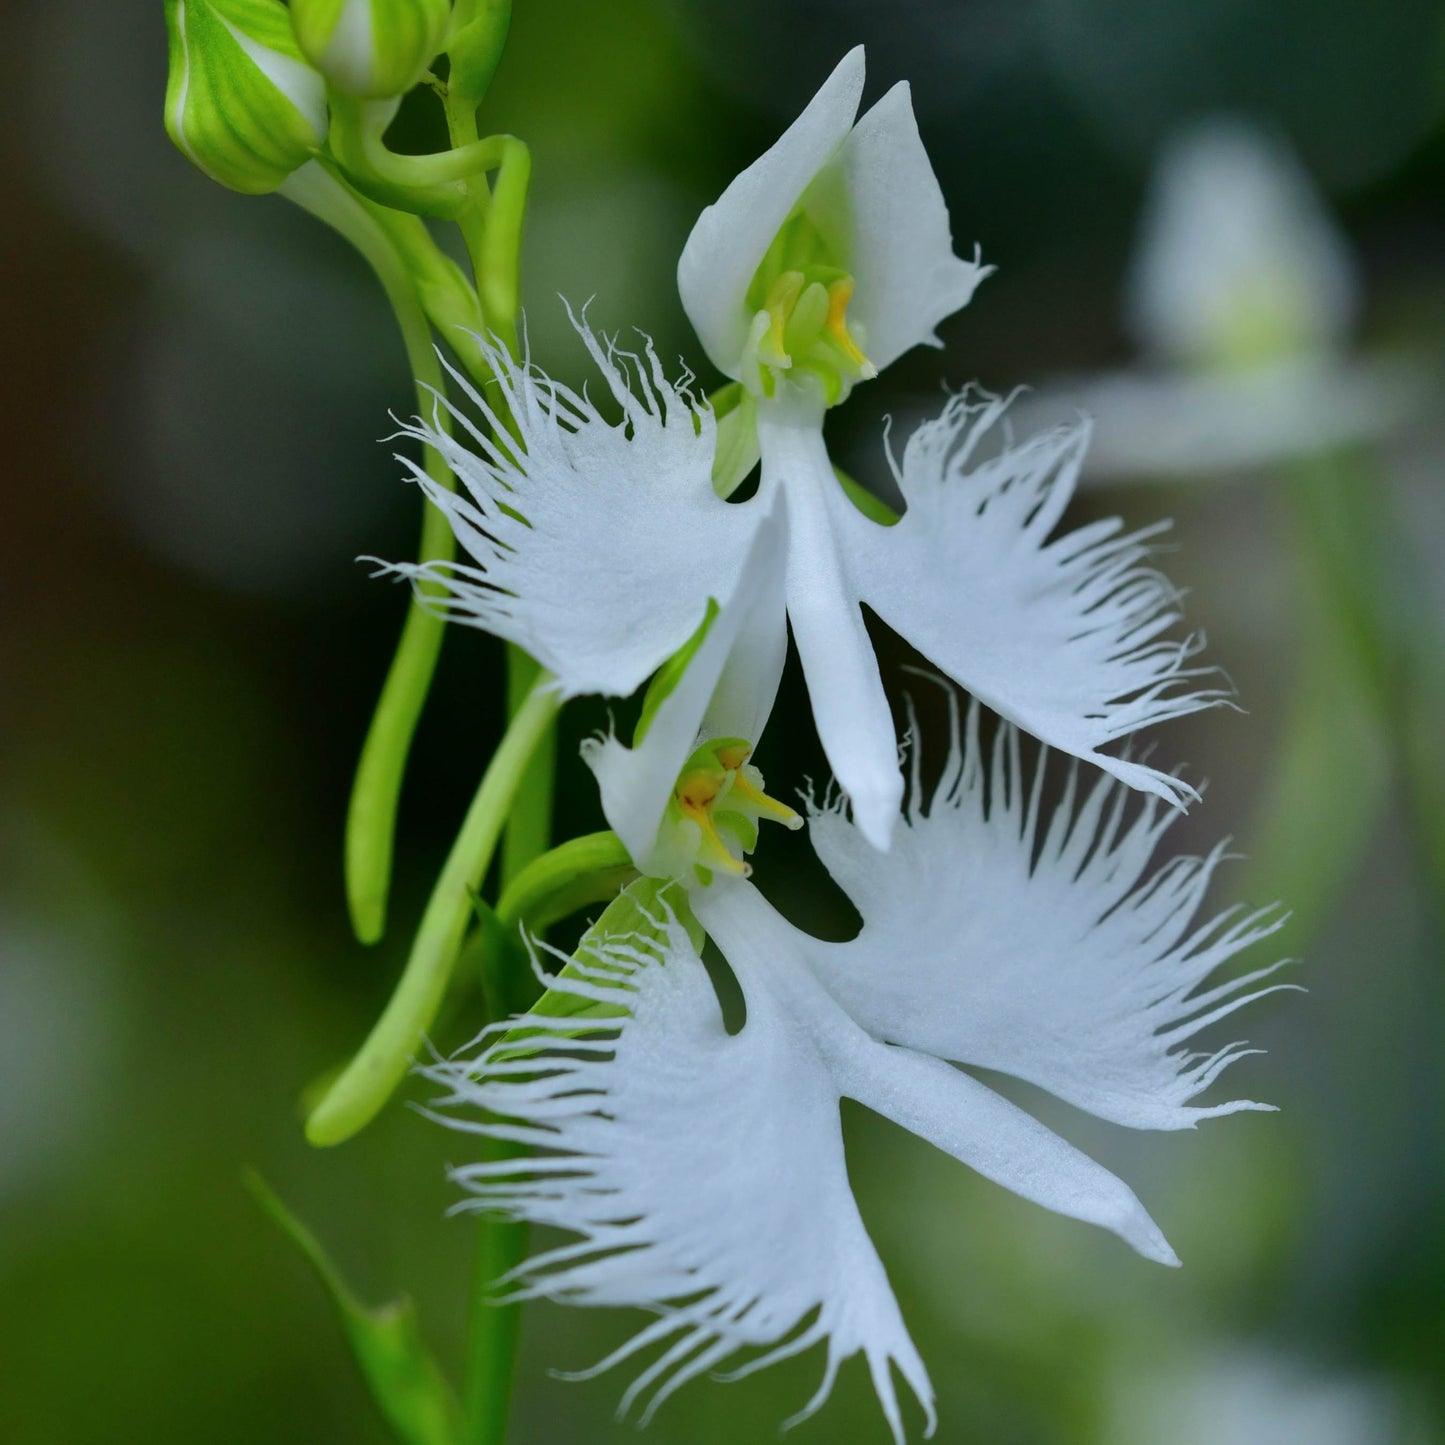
494 1330
529 829
499 283
1354 546
434 185
1328 780
371 818
492 224
448 298
371 1077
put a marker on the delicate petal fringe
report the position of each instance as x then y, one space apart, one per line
594 545
1036 942
703 1173
1065 637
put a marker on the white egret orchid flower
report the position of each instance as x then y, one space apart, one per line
1243 296
704 1171
602 549
598 548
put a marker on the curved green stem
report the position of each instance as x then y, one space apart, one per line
371 1077
371 818
436 184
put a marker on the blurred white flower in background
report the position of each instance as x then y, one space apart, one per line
1243 298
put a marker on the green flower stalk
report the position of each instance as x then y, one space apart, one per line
242 105
371 49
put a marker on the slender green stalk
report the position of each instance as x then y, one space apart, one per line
371 818
529 829
373 1074
1354 545
461 113
494 1330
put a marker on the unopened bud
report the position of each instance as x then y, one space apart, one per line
241 102
371 49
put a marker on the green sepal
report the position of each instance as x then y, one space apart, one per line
403 1379
737 449
874 508
371 49
670 674
633 914
241 103
591 869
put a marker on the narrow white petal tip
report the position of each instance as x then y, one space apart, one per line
1147 1238
875 814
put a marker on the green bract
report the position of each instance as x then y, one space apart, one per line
241 103
371 49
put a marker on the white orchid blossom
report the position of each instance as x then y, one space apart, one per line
1243 296
828 258
602 549
704 1172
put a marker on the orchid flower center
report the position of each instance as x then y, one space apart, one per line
799 298
713 815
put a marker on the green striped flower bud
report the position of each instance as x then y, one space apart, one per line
371 49
241 103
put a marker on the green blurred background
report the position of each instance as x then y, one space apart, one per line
196 383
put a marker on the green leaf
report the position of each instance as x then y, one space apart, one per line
404 1380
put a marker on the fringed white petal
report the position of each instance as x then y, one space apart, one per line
595 546
938 1103
703 1172
899 244
727 690
732 235
1065 636
1040 946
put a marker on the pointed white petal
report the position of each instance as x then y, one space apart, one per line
1040 946
594 546
733 234
899 247
703 1171
731 679
849 705
1062 636
948 1108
